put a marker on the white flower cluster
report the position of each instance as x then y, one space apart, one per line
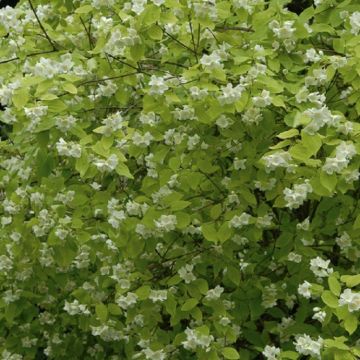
166 223
351 299
127 301
284 33
296 196
109 164
230 94
247 5
343 241
49 68
214 294
157 85
149 118
184 113
75 308
305 345
197 93
263 100
238 221
355 22
70 149
343 154
269 296
65 123
118 41
158 295
277 159
142 140
319 314
271 352
212 61
116 216
319 118
320 267
195 339
304 289
112 123
186 273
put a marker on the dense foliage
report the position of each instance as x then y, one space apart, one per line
179 179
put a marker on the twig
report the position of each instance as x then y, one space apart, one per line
106 79
178 41
33 54
87 32
233 28
193 40
42 27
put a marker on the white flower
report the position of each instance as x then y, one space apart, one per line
158 295
343 154
223 121
166 222
320 117
296 196
294 257
70 149
344 241
107 165
197 93
230 94
306 346
275 160
320 267
75 308
351 299
311 55
212 61
263 100
355 22
319 314
127 301
194 339
154 355
239 221
158 85
186 273
142 140
304 289
214 294
271 352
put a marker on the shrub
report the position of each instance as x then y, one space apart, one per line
179 180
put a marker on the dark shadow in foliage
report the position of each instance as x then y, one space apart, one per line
11 3
298 6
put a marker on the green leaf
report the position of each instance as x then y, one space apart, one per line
20 97
123 170
334 285
84 9
189 304
70 88
209 232
330 299
351 280
351 323
82 163
179 205
230 353
288 134
356 224
101 311
328 181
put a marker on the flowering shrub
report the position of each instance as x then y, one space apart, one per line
180 180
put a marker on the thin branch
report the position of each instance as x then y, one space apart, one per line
106 79
33 54
87 32
233 28
42 27
178 41
193 40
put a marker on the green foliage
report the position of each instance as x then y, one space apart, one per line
180 179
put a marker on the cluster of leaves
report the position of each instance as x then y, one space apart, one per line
179 180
